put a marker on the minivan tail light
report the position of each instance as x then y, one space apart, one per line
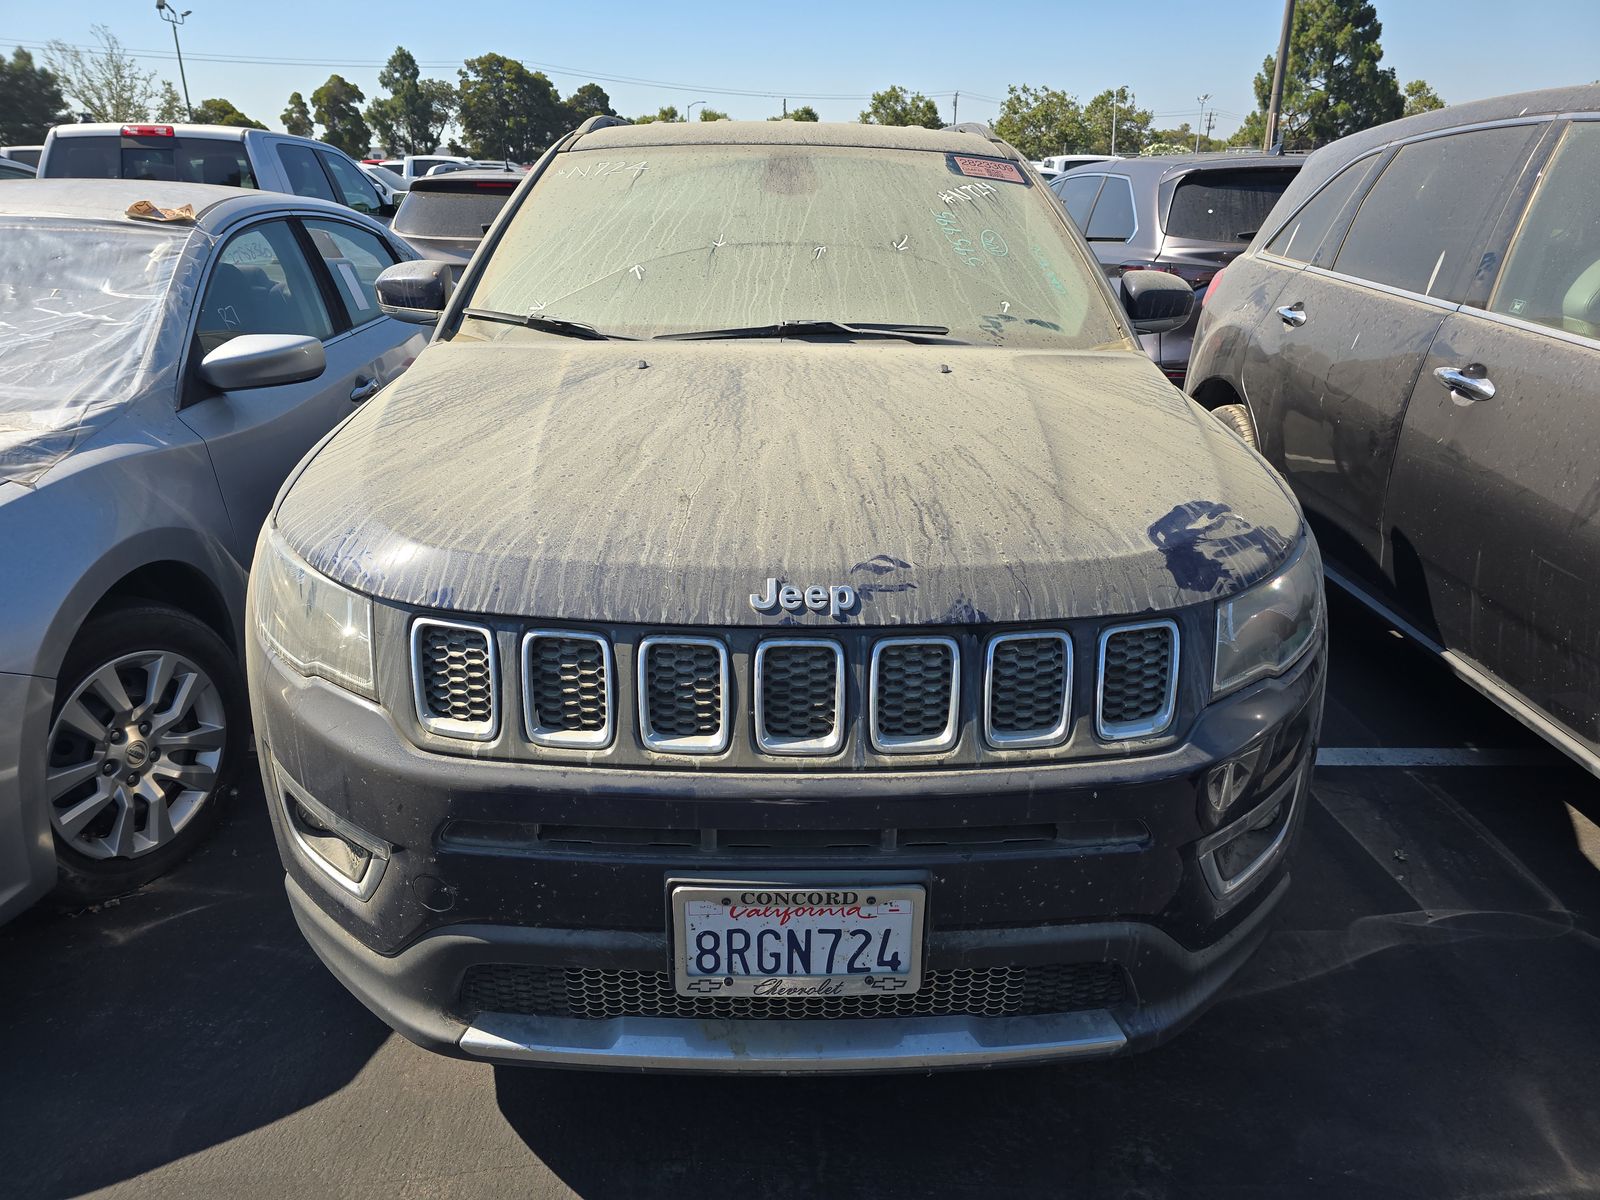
147 131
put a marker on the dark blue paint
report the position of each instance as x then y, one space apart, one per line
1201 539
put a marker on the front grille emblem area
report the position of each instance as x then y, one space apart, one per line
838 600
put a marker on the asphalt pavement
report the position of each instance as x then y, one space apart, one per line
1422 1021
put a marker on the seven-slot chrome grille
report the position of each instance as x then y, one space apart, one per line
886 694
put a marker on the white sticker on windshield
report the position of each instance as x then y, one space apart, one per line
353 285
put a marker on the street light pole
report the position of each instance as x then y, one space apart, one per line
689 112
175 18
1200 121
1269 137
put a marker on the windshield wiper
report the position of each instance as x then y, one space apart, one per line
869 329
556 325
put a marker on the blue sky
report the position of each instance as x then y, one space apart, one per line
824 53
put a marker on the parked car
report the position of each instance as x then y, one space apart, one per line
219 154
768 601
1187 214
391 187
414 166
157 382
22 154
1062 163
11 169
445 216
1413 339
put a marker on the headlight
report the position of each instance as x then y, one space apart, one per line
312 623
1264 630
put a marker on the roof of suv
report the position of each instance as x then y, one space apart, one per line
962 139
1160 166
108 199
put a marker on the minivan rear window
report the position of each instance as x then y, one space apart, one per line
176 159
455 213
1226 206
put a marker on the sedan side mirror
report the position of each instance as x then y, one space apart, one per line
257 360
1155 301
415 291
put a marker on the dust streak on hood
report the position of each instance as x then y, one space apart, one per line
665 483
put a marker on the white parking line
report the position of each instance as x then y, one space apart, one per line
1428 756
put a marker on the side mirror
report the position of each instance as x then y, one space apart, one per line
1155 301
257 360
415 291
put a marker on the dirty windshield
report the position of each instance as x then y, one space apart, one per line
676 240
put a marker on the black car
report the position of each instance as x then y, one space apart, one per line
1187 214
783 622
1414 341
445 216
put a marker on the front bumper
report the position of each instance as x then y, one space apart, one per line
464 881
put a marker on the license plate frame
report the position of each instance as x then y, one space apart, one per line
877 896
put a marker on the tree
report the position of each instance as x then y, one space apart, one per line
412 118
105 83
1333 85
893 106
712 114
506 110
1041 121
296 117
169 106
1181 140
667 112
590 100
1420 98
804 113
30 100
336 105
222 112
1132 123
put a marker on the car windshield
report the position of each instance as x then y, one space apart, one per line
80 306
680 239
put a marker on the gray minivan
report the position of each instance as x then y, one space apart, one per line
158 380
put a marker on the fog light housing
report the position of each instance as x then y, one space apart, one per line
339 849
1238 855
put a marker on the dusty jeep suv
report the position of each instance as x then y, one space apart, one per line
782 622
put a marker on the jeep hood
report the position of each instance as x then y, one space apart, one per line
666 482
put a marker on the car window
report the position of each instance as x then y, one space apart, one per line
306 178
355 189
169 159
1423 225
1552 274
461 211
14 171
1226 206
354 257
261 283
1310 234
1113 218
1077 192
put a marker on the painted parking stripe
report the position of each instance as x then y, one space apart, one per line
1429 756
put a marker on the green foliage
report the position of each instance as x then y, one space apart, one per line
590 100
30 100
296 117
1333 85
667 112
506 110
1182 139
336 105
1041 121
106 83
222 112
804 113
1133 123
713 114
1420 98
412 117
169 107
893 106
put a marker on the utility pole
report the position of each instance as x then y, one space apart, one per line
1114 92
786 108
175 18
955 110
1211 121
1270 137
1200 121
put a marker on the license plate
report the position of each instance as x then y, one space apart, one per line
806 942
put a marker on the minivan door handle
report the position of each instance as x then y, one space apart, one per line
1466 386
1293 314
365 389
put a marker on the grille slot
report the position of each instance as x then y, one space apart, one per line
566 688
915 695
1138 679
455 679
1027 690
799 687
590 994
683 695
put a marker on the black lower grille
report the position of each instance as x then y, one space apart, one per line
593 995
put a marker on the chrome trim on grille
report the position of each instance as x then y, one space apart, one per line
669 743
540 735
1027 739
946 738
800 746
1121 730
474 731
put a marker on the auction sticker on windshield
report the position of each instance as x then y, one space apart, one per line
807 941
986 168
